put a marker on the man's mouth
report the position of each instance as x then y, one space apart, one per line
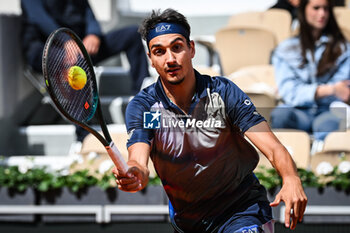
173 70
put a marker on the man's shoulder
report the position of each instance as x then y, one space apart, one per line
222 84
145 98
215 82
224 87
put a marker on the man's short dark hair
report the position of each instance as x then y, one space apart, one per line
167 16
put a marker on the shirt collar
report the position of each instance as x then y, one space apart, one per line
200 92
323 40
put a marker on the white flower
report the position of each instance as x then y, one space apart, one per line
105 166
324 168
25 166
23 163
64 172
77 158
344 167
23 169
92 156
58 166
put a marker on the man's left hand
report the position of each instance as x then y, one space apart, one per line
292 194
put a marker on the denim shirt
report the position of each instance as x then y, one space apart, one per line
297 85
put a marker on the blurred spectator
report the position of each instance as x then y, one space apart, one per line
339 2
41 17
288 5
292 6
312 70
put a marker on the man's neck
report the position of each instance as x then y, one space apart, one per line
181 94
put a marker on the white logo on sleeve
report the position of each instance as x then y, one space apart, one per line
247 102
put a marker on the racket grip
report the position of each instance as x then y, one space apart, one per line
117 157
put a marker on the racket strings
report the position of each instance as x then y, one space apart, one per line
65 53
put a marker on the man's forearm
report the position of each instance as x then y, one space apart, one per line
283 163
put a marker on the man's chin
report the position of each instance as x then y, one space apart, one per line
176 82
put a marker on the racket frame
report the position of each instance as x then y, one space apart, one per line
112 150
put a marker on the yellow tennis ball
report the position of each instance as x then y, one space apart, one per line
76 77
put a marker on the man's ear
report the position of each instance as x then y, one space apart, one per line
193 49
149 57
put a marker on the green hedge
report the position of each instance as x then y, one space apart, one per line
341 181
43 180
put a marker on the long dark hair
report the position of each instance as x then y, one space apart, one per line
332 30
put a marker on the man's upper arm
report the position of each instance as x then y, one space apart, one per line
139 142
239 107
134 122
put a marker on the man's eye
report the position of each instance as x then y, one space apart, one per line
177 47
158 51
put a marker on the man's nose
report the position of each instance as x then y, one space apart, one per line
170 57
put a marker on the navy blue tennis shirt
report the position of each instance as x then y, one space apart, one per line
202 158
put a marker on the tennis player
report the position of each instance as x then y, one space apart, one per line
192 126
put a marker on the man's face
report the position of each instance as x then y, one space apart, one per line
172 57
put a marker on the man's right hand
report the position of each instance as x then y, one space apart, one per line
134 180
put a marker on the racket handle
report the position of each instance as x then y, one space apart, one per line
117 157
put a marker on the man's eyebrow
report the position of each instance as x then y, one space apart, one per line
172 42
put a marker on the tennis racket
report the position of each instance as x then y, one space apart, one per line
64 50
